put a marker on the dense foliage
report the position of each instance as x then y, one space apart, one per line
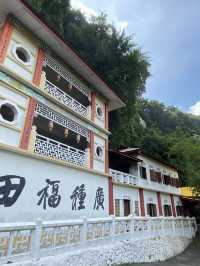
167 133
164 132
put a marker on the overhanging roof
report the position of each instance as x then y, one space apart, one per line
138 151
123 156
32 21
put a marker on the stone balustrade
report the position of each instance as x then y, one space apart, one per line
20 241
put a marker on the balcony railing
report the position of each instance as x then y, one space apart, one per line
65 99
54 149
66 74
124 178
128 179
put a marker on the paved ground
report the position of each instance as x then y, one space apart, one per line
191 257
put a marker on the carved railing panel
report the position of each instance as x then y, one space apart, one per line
54 149
65 99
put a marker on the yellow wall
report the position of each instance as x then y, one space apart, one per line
186 192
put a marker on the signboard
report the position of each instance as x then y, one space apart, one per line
31 188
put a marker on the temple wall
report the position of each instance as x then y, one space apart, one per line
32 196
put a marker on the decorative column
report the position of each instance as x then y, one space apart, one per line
5 37
32 139
141 195
121 204
106 156
91 150
38 67
110 194
159 204
173 205
106 117
93 105
28 124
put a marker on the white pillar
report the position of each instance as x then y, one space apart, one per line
121 204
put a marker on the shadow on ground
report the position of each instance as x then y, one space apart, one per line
190 257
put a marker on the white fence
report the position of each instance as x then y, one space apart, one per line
124 178
129 179
33 240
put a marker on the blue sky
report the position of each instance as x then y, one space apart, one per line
169 32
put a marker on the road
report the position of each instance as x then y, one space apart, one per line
190 257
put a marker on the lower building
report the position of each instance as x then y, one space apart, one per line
143 185
190 202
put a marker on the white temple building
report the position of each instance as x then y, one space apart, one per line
58 191
143 185
53 124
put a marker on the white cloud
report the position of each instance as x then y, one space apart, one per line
195 109
121 25
88 12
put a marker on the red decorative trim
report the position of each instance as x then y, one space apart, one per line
91 150
28 124
106 116
173 206
38 67
106 157
160 211
5 37
141 194
93 105
110 195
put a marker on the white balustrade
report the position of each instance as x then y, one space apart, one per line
124 178
33 240
57 150
66 99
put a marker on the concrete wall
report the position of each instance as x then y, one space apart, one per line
13 63
118 253
10 132
150 197
157 166
100 103
125 193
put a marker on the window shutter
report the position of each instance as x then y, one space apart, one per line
152 173
148 209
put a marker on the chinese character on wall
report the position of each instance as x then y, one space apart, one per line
10 189
99 199
78 196
49 195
